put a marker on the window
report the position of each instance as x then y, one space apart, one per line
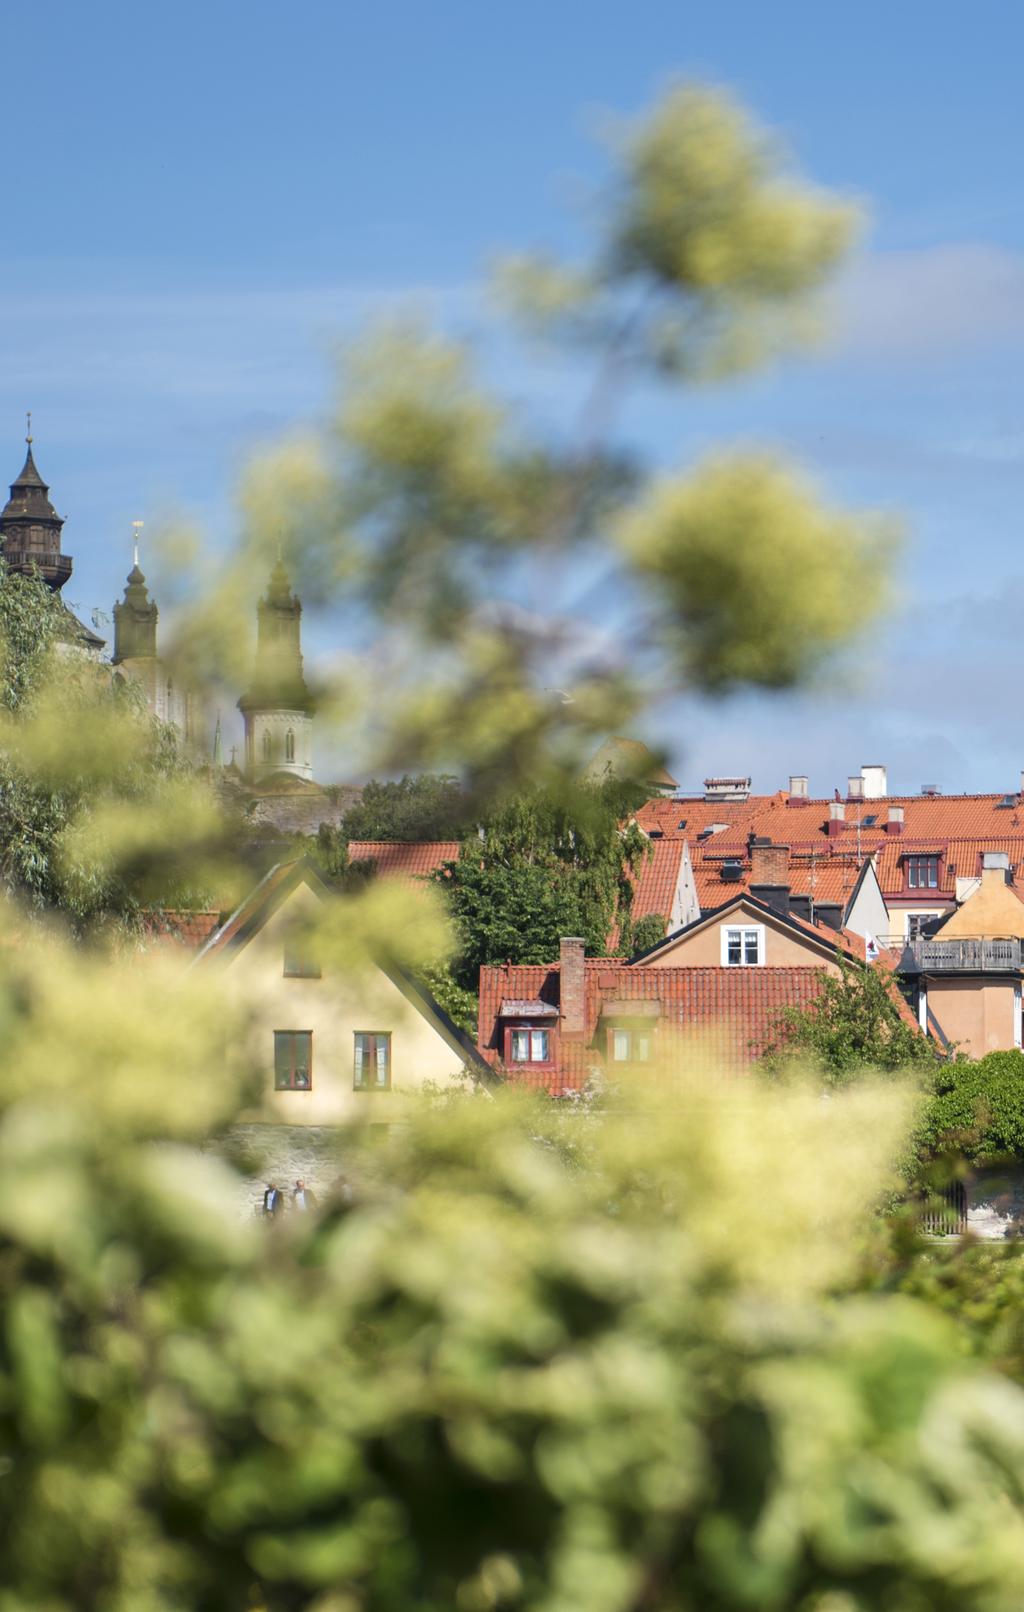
918 923
372 1068
293 1060
630 1046
289 746
922 872
870 820
266 747
298 965
525 1044
742 947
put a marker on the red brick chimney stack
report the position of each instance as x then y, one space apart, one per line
836 818
572 989
769 864
894 821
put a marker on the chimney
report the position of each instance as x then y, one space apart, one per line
894 822
799 789
855 787
874 782
836 818
769 864
769 874
570 953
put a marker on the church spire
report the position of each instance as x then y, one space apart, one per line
135 616
278 707
30 527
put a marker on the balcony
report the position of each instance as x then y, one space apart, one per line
970 955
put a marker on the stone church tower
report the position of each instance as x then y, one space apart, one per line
278 709
135 655
30 531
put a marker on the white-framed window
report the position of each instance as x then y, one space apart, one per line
742 945
916 922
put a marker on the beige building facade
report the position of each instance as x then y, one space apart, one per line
334 1044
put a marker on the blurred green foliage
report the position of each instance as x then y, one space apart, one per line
525 1356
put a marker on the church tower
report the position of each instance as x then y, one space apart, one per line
278 709
135 652
30 531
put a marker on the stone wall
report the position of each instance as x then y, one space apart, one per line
995 1204
285 1154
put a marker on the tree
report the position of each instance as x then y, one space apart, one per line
854 1027
414 808
81 760
975 1108
544 866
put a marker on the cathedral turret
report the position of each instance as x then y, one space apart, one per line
30 526
278 709
136 655
135 616
30 531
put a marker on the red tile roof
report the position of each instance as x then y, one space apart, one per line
956 827
407 860
733 1009
176 927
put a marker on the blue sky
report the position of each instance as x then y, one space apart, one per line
201 199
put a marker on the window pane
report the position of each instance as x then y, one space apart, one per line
620 1045
520 1046
750 947
360 1060
538 1046
382 1045
642 1051
282 1059
303 1058
733 945
933 871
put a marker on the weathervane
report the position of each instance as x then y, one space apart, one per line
28 427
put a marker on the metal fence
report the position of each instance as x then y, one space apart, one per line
945 1214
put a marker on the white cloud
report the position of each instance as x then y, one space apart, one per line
933 299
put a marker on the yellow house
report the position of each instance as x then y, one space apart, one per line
968 971
334 1045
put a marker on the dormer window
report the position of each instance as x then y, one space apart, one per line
922 872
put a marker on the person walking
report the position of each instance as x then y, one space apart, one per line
303 1197
273 1200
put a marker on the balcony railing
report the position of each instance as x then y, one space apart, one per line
967 956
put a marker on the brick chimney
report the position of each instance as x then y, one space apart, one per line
769 864
894 821
570 952
836 818
769 874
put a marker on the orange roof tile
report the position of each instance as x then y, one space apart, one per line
405 860
734 1009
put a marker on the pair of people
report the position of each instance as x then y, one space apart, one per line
303 1197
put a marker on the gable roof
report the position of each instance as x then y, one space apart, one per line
252 914
824 939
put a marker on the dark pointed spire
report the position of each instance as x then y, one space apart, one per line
278 680
30 527
136 615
